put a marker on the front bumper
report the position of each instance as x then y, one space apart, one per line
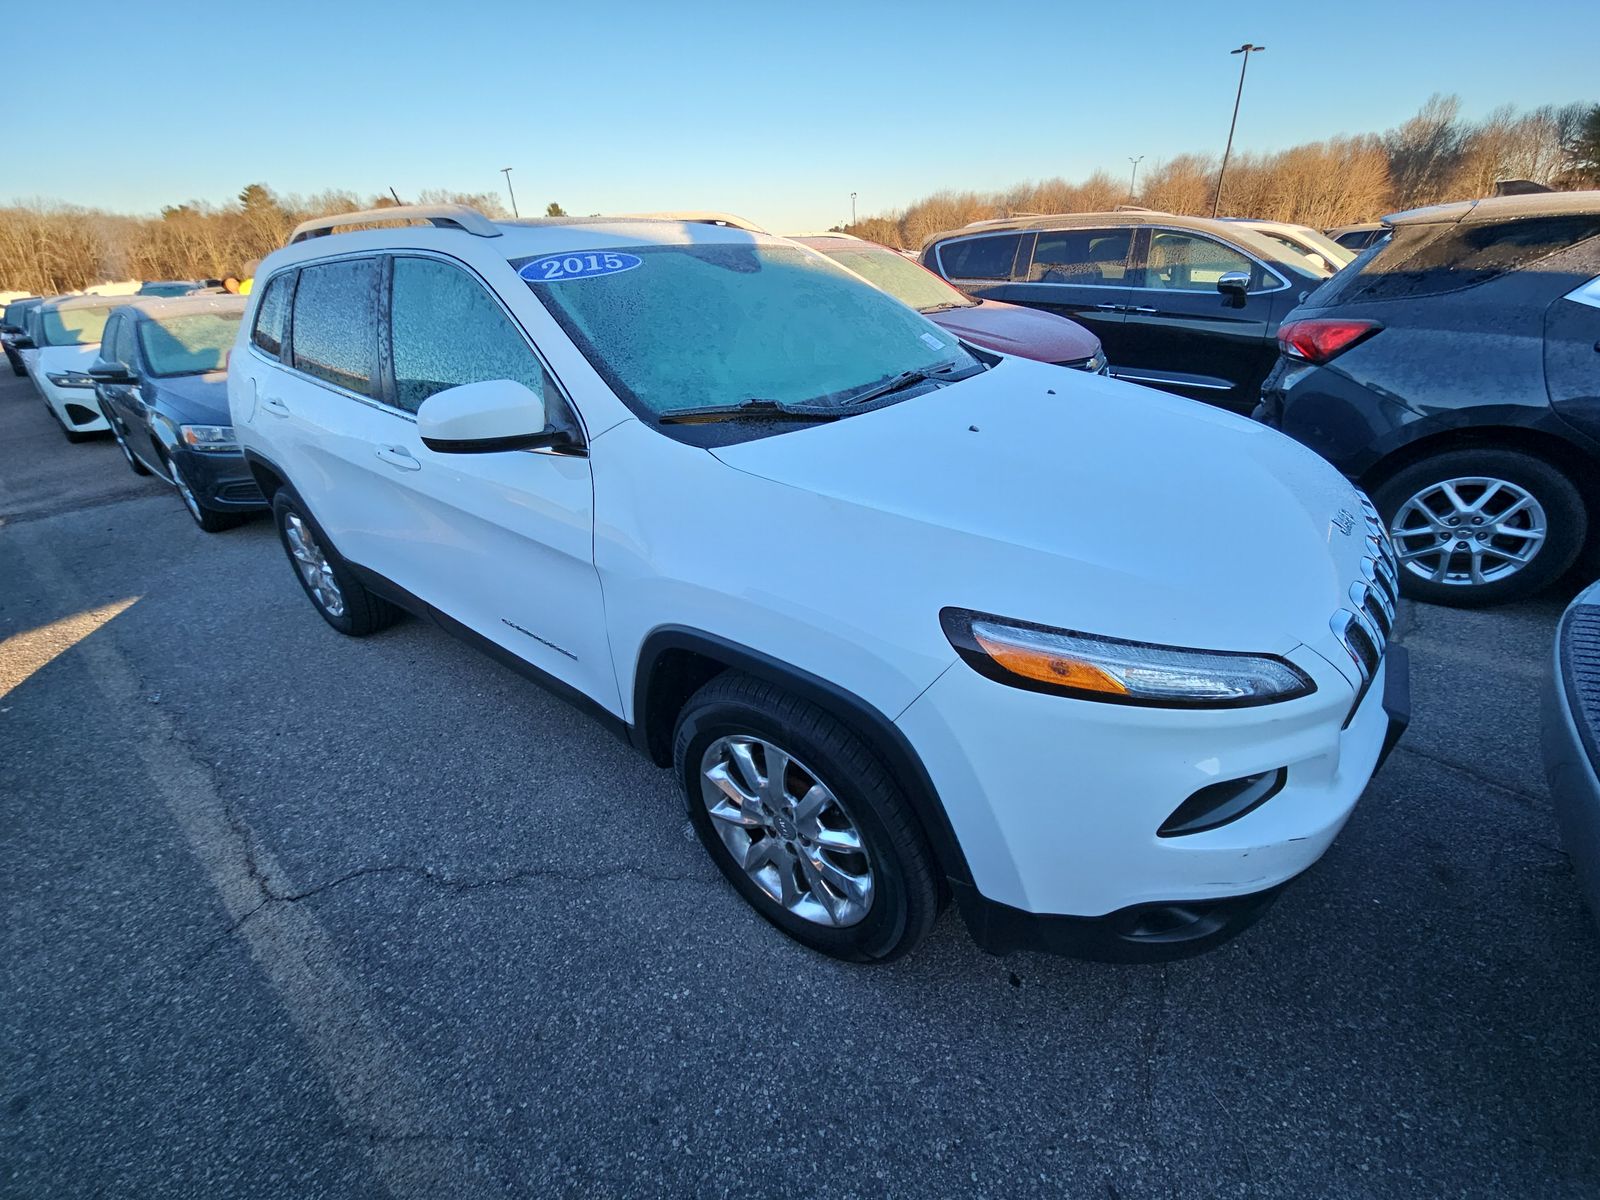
222 482
1057 804
76 408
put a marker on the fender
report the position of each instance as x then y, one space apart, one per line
652 732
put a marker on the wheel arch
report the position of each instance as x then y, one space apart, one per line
1557 449
675 661
266 474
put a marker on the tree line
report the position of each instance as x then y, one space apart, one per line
1433 157
50 248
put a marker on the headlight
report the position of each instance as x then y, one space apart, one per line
69 379
215 439
1066 663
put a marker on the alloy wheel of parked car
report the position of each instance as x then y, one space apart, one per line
329 582
804 821
313 565
787 829
137 467
1481 526
211 522
1470 530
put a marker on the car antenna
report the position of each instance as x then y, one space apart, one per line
395 194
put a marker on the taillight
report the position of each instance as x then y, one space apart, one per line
1321 339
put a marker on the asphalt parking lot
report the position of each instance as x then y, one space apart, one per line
291 915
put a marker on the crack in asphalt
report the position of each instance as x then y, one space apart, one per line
1526 799
458 885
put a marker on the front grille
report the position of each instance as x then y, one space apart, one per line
1363 629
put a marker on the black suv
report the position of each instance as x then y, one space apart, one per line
1181 303
1454 372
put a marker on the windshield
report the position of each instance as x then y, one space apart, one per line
173 288
898 275
190 344
693 325
73 326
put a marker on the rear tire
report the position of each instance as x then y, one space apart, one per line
1545 524
890 896
332 587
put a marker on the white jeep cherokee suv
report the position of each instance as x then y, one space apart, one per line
907 619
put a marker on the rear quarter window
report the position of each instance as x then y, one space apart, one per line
272 316
980 257
1431 260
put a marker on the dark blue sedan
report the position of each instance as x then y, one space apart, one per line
162 383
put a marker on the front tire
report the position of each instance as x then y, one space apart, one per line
1478 527
803 821
327 579
208 519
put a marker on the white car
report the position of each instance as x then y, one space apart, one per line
66 340
907 619
1315 247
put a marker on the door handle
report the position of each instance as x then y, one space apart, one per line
275 406
1112 307
400 457
1141 309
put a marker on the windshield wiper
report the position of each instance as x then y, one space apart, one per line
747 408
901 381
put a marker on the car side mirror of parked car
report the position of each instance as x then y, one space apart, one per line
481 418
109 372
22 342
1234 285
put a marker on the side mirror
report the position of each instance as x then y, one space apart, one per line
482 418
22 342
110 372
1234 285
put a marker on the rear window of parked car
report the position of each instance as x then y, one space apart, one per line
273 315
980 257
1428 260
336 323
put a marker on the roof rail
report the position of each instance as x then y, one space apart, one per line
441 216
699 217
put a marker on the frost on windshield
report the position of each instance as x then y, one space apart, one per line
702 324
190 344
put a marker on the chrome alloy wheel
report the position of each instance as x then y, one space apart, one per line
787 830
179 482
1468 531
312 564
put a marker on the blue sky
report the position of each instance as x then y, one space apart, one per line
775 111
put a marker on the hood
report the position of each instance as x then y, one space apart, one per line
1083 502
1025 332
196 399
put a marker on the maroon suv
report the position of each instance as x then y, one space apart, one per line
1006 328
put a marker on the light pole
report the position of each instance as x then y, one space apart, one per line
1134 178
1247 49
852 208
506 171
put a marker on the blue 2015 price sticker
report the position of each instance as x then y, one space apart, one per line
590 264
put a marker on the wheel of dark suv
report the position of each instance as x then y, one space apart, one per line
207 519
327 579
1476 527
134 465
803 821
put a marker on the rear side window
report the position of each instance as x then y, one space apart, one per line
1428 260
336 323
1092 257
447 330
272 317
980 257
